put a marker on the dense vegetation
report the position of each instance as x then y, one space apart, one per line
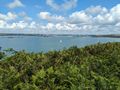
95 67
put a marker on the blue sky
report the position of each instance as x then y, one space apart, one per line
60 16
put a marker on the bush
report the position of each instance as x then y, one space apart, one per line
95 67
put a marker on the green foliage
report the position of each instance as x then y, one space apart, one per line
95 67
2 55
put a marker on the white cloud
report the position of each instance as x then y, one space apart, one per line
118 24
110 18
104 19
8 16
32 25
2 24
49 26
96 10
116 9
13 16
15 4
20 25
44 15
49 17
65 26
24 16
93 20
80 17
14 21
115 12
68 4
96 16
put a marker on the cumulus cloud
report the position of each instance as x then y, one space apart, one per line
20 25
2 24
68 4
96 10
8 16
15 4
80 17
25 16
110 18
93 20
14 21
49 17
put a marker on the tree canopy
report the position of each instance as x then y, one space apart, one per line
95 67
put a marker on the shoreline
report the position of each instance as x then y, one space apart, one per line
53 35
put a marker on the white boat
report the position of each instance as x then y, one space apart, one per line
60 41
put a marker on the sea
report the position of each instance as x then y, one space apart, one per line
45 44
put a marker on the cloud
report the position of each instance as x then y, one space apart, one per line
93 20
8 16
68 4
96 10
110 18
14 21
44 15
15 4
24 16
80 17
13 16
2 24
117 24
49 17
20 25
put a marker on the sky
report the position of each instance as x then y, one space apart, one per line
60 16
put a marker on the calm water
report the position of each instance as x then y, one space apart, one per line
38 44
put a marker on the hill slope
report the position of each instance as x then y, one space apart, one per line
95 67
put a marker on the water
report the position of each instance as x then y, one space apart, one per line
38 44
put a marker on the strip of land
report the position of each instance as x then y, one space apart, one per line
50 35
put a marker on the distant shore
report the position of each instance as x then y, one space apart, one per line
50 35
